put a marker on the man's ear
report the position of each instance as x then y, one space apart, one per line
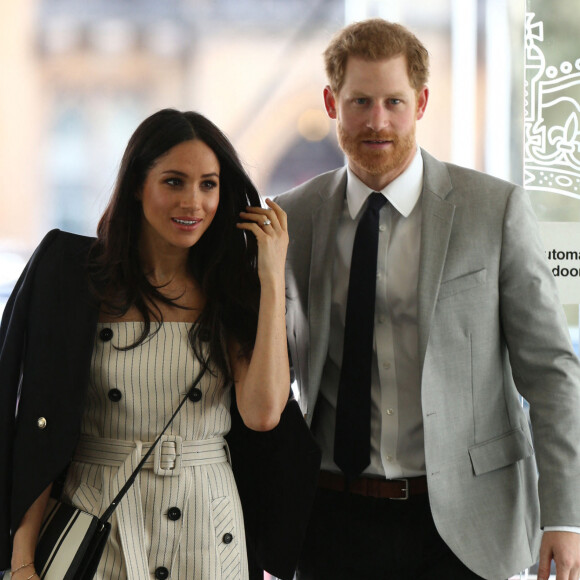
329 102
422 98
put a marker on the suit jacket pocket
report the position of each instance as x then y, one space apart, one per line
461 284
500 451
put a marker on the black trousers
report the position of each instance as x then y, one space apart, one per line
352 537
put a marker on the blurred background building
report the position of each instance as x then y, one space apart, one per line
78 77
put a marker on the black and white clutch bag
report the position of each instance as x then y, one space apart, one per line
70 544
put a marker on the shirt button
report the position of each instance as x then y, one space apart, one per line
387 365
382 228
106 334
194 395
381 318
161 573
174 514
389 411
115 395
389 458
41 423
227 539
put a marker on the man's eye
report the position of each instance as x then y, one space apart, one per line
361 101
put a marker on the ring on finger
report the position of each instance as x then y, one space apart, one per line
267 222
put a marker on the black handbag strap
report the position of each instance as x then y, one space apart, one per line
109 511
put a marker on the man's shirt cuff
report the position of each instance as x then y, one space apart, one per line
562 529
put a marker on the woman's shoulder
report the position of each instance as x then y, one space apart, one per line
55 249
57 241
66 238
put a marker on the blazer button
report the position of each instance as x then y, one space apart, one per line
106 334
41 423
227 539
195 395
161 573
174 514
115 395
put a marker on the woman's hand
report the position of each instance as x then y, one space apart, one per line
270 227
263 383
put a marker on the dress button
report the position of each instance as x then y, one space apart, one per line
115 395
195 395
161 573
41 423
227 539
174 514
106 334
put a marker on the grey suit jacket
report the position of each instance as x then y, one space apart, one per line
490 326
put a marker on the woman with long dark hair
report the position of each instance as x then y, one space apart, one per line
186 276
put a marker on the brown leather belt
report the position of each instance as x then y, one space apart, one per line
375 487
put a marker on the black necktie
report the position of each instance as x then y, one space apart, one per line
353 411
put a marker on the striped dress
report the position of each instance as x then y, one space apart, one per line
182 519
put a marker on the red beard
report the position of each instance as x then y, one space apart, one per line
377 162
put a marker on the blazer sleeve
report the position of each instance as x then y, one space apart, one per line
276 474
12 345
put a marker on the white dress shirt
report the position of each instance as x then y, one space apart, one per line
396 419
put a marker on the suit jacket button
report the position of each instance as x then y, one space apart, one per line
228 538
195 395
106 334
174 514
41 423
161 573
115 395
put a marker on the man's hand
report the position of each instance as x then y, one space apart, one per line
564 549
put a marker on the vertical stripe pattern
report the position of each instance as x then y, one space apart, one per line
190 524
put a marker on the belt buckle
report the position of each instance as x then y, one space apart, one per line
157 455
403 489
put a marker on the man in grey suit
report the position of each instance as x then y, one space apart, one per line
466 318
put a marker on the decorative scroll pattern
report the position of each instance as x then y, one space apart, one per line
552 119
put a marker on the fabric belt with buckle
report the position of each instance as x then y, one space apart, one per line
170 455
374 487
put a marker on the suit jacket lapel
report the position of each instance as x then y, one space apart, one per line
324 226
437 220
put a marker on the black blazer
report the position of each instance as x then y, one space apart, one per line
46 341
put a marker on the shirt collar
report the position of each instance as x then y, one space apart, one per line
403 192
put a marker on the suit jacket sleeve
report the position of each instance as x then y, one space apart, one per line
544 366
12 344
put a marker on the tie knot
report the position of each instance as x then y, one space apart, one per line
376 201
